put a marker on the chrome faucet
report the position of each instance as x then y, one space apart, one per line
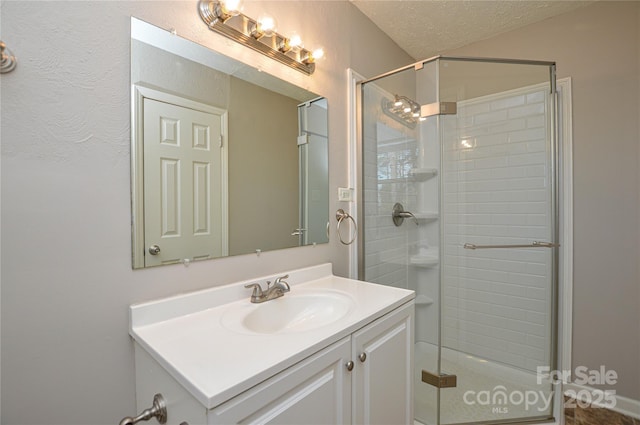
278 289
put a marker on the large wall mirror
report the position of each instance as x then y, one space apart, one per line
226 160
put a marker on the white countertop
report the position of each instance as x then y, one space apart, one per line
186 336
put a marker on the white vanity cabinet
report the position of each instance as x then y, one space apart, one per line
314 391
382 384
355 368
322 389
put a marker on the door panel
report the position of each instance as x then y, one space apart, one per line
383 376
183 183
498 255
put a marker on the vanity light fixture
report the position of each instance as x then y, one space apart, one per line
403 110
225 17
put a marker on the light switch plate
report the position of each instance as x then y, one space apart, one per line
345 194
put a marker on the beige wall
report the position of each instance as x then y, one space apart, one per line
598 47
66 216
263 169
158 68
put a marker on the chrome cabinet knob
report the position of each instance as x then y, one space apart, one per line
362 357
154 250
349 365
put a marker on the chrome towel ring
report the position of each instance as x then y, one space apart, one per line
7 60
341 216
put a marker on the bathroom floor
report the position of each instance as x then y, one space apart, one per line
482 393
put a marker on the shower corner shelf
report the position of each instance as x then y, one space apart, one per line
424 260
414 175
422 174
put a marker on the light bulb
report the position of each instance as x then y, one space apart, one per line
318 54
232 7
295 42
407 109
267 25
313 56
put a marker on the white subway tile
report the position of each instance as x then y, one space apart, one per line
527 111
508 102
492 117
536 97
474 108
528 135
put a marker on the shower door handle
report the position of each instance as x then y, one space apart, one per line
535 244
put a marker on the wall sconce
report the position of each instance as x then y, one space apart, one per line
403 110
225 17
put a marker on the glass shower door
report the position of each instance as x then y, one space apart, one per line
458 187
399 220
498 234
313 172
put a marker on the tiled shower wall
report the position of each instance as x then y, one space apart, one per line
389 150
496 179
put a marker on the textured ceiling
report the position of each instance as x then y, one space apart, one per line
429 27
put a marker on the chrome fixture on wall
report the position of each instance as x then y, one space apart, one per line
225 17
403 110
341 216
7 60
158 411
398 215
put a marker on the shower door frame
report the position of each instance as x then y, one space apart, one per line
562 198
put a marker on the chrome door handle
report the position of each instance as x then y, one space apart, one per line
535 244
362 357
154 250
349 365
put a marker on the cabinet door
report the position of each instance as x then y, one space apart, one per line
382 378
315 391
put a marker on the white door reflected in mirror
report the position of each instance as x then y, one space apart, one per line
184 184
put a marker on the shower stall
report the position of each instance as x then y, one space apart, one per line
458 177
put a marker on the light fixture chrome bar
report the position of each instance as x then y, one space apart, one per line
217 24
535 244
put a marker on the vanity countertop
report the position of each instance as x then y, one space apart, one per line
187 336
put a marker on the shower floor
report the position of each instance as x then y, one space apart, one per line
477 396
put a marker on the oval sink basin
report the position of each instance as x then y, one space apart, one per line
293 312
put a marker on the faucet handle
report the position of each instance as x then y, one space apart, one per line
279 279
257 289
280 282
